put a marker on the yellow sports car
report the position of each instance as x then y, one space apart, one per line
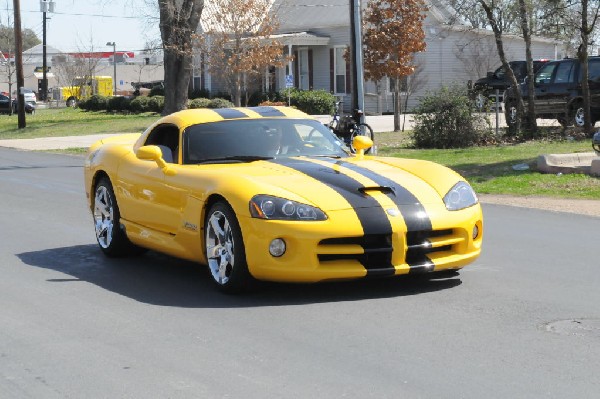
269 193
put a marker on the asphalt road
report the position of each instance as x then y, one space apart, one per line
522 322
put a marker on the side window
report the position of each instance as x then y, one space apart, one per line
166 137
594 71
564 72
544 75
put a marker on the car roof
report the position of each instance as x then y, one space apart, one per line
189 117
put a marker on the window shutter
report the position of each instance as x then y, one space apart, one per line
296 71
310 69
331 70
348 77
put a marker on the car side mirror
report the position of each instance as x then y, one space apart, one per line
361 144
153 153
490 74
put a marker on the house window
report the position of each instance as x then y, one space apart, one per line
340 70
403 84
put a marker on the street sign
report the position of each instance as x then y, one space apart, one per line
289 81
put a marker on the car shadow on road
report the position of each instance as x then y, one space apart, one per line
158 279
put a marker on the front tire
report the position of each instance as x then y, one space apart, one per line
71 102
225 251
111 238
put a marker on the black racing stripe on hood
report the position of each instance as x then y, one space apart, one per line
229 113
414 213
267 111
371 215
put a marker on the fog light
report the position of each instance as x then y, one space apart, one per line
277 247
475 232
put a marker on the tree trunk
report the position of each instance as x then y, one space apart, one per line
237 95
178 23
397 105
582 54
177 78
532 123
502 55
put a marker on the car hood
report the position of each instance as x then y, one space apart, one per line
325 182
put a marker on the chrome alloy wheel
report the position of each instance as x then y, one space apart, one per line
512 114
579 117
220 247
104 216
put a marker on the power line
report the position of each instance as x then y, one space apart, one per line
88 15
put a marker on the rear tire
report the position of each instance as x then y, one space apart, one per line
510 113
110 236
578 115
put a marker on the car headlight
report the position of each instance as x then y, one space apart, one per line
460 196
275 208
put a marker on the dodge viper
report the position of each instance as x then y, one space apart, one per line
269 193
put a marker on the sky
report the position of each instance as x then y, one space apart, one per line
86 25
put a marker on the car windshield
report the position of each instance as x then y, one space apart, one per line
245 140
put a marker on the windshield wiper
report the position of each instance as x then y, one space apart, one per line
241 158
325 156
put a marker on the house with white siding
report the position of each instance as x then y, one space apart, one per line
317 32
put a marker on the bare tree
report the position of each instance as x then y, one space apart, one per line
150 49
178 24
477 55
75 74
239 42
524 15
588 12
414 83
7 44
495 18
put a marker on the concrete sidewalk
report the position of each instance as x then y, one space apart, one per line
53 143
379 123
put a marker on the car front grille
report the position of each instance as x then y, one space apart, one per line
374 251
369 249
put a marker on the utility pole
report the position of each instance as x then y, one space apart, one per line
358 95
45 6
114 46
19 64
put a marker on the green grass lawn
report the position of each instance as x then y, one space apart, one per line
489 169
72 122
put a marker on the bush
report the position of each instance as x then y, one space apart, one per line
118 104
220 103
156 104
445 119
140 104
95 103
313 102
199 103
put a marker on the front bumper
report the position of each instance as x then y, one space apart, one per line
337 248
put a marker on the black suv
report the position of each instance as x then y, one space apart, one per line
558 93
485 88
